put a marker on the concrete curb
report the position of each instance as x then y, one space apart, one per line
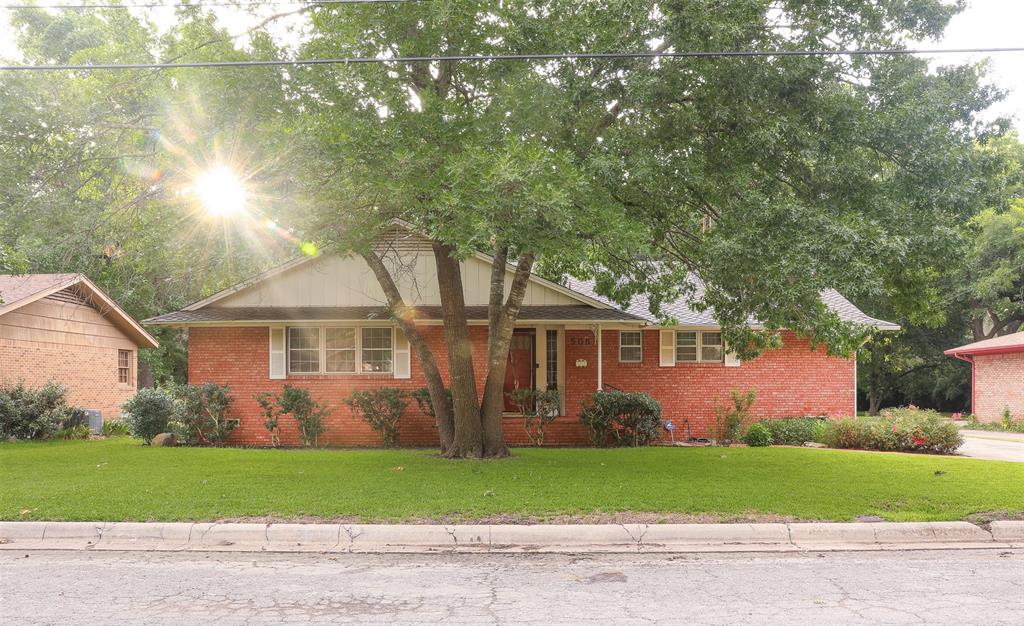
558 538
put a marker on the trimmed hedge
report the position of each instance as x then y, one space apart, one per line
794 431
619 418
758 436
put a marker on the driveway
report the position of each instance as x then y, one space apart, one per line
924 587
984 444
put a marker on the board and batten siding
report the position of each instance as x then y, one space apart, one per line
69 343
348 281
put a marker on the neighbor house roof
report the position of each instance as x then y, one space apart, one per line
370 313
681 311
19 290
996 345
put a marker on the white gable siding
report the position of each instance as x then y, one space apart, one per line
348 281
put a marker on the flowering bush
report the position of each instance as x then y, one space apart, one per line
907 429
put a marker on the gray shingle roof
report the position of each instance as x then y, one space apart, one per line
686 316
21 286
575 313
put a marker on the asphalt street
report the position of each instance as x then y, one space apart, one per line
940 587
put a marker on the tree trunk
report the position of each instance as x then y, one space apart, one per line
501 323
874 403
468 437
404 316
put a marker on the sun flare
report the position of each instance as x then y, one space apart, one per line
221 192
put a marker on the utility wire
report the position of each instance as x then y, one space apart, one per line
216 3
503 57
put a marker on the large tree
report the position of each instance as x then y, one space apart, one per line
747 184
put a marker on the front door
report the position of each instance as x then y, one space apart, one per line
522 365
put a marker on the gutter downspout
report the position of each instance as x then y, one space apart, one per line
600 360
974 377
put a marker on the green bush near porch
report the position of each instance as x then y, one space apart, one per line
117 479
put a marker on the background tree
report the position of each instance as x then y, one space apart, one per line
96 167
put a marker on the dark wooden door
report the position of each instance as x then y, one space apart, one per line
521 365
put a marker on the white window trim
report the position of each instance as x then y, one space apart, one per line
359 365
675 346
640 345
322 371
288 350
356 333
720 345
700 347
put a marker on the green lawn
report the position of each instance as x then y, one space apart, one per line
119 479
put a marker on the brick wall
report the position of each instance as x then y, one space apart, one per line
998 384
790 381
70 344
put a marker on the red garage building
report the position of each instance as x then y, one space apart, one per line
997 375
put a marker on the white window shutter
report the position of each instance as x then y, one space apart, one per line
277 352
731 360
668 348
402 366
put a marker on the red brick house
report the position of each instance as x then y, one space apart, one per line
997 375
63 328
321 324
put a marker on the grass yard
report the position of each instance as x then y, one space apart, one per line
119 479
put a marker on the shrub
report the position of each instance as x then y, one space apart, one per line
538 408
78 431
148 413
1007 421
619 418
794 431
905 429
200 414
27 413
730 420
381 409
308 413
271 415
115 428
758 436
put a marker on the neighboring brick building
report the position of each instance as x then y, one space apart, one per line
62 328
319 324
997 375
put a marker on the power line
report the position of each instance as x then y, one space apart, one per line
216 3
504 57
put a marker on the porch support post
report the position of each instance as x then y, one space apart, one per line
600 361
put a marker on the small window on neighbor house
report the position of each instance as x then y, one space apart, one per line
711 347
378 350
686 346
341 350
631 346
124 366
304 350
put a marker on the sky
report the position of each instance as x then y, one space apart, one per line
984 24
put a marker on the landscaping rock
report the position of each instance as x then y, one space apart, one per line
165 440
814 444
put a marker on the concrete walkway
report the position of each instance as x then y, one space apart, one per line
994 446
502 538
